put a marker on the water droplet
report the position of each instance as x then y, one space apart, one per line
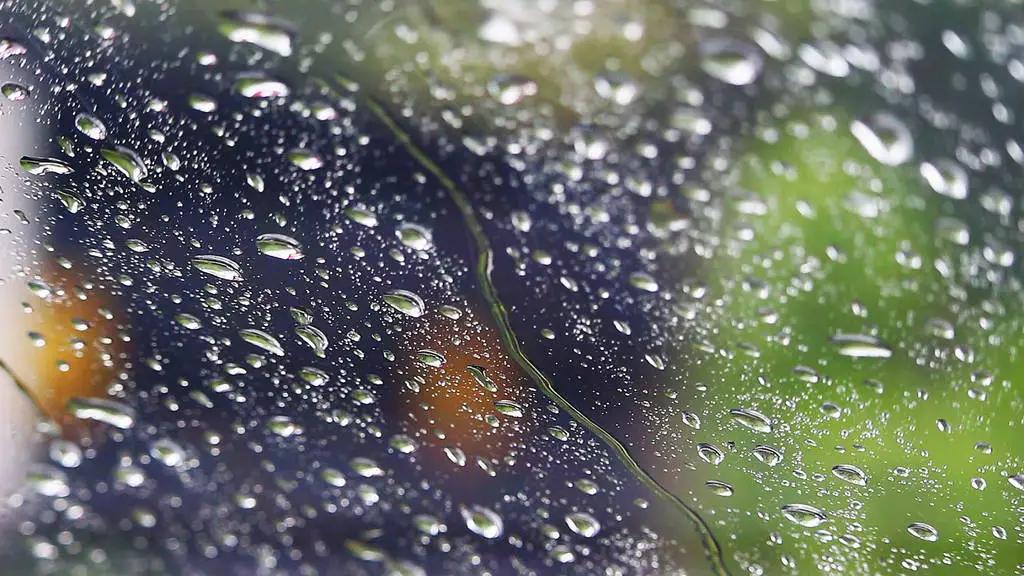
406 302
509 408
643 281
366 468
110 412
283 426
511 89
305 159
334 477
559 433
414 236
430 358
218 266
15 92
710 453
261 339
691 420
427 524
39 166
126 161
261 30
188 321
362 216
588 487
885 137
861 346
616 87
168 452
731 61
91 126
924 531
768 454
482 378
314 338
751 419
946 177
71 202
259 86
719 488
48 481
403 444
279 246
851 474
482 521
804 515
583 524
456 455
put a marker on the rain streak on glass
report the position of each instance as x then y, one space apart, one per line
485 287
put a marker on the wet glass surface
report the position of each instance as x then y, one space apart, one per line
480 287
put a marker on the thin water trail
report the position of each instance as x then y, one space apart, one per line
483 267
24 390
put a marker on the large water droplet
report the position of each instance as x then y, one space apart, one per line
218 266
804 515
751 419
258 29
279 246
851 474
482 521
731 61
583 524
924 531
885 137
946 177
261 339
406 302
111 412
91 126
